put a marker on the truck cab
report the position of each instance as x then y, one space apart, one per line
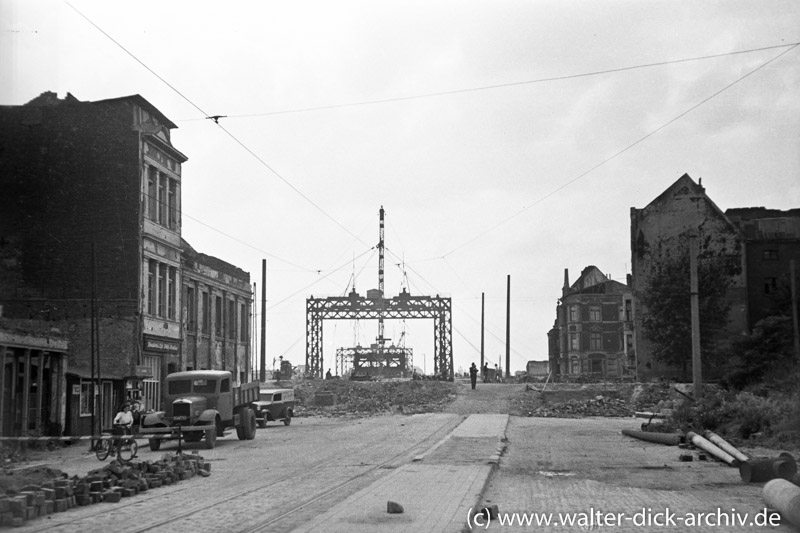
203 402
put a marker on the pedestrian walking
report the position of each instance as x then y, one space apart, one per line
473 375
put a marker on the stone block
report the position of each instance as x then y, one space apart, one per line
112 496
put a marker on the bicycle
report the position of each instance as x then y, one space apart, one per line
125 449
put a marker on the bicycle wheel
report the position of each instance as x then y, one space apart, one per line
101 449
127 450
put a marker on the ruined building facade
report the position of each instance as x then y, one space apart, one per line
592 335
93 263
761 242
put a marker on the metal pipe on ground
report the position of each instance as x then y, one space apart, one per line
706 445
784 497
670 439
726 446
760 470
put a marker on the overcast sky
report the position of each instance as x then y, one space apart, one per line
501 137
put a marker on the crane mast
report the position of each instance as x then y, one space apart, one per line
381 340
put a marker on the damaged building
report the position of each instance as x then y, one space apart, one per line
592 335
760 242
94 284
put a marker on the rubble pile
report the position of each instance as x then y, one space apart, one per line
108 484
599 406
364 398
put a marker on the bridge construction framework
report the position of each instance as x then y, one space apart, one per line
403 306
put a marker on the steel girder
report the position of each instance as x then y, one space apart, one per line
356 307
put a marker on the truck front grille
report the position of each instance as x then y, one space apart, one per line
182 411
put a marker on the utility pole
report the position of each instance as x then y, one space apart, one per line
697 368
263 369
793 285
508 326
482 311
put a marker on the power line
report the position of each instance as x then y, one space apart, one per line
616 154
216 121
500 85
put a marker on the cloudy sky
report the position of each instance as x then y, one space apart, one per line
503 138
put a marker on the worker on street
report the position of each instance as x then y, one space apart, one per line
473 375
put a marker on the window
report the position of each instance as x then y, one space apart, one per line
596 341
225 386
770 285
594 314
628 311
172 203
230 322
769 255
191 310
218 316
243 322
172 293
573 313
575 366
151 286
152 193
162 289
206 303
86 406
162 200
573 341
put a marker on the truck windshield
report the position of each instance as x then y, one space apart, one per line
182 386
204 385
185 386
266 397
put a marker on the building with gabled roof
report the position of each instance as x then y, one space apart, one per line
661 231
592 334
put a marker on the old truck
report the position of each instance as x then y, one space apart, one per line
203 403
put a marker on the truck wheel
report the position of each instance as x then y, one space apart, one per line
288 419
262 422
249 424
240 431
155 444
211 438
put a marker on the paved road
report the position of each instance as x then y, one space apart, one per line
283 478
574 466
319 469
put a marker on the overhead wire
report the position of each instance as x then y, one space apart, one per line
503 85
616 154
216 121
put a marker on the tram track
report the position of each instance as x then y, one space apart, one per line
368 458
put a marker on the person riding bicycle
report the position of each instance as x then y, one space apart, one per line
122 424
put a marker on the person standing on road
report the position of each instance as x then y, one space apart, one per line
473 375
486 372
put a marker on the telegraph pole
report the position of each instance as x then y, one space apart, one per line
508 326
793 285
697 369
263 369
482 311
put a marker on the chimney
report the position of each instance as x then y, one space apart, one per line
565 290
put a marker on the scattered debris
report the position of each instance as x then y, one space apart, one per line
108 484
394 507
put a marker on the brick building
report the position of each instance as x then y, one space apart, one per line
217 297
763 241
90 237
772 240
592 335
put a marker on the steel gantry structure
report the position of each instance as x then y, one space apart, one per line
375 306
